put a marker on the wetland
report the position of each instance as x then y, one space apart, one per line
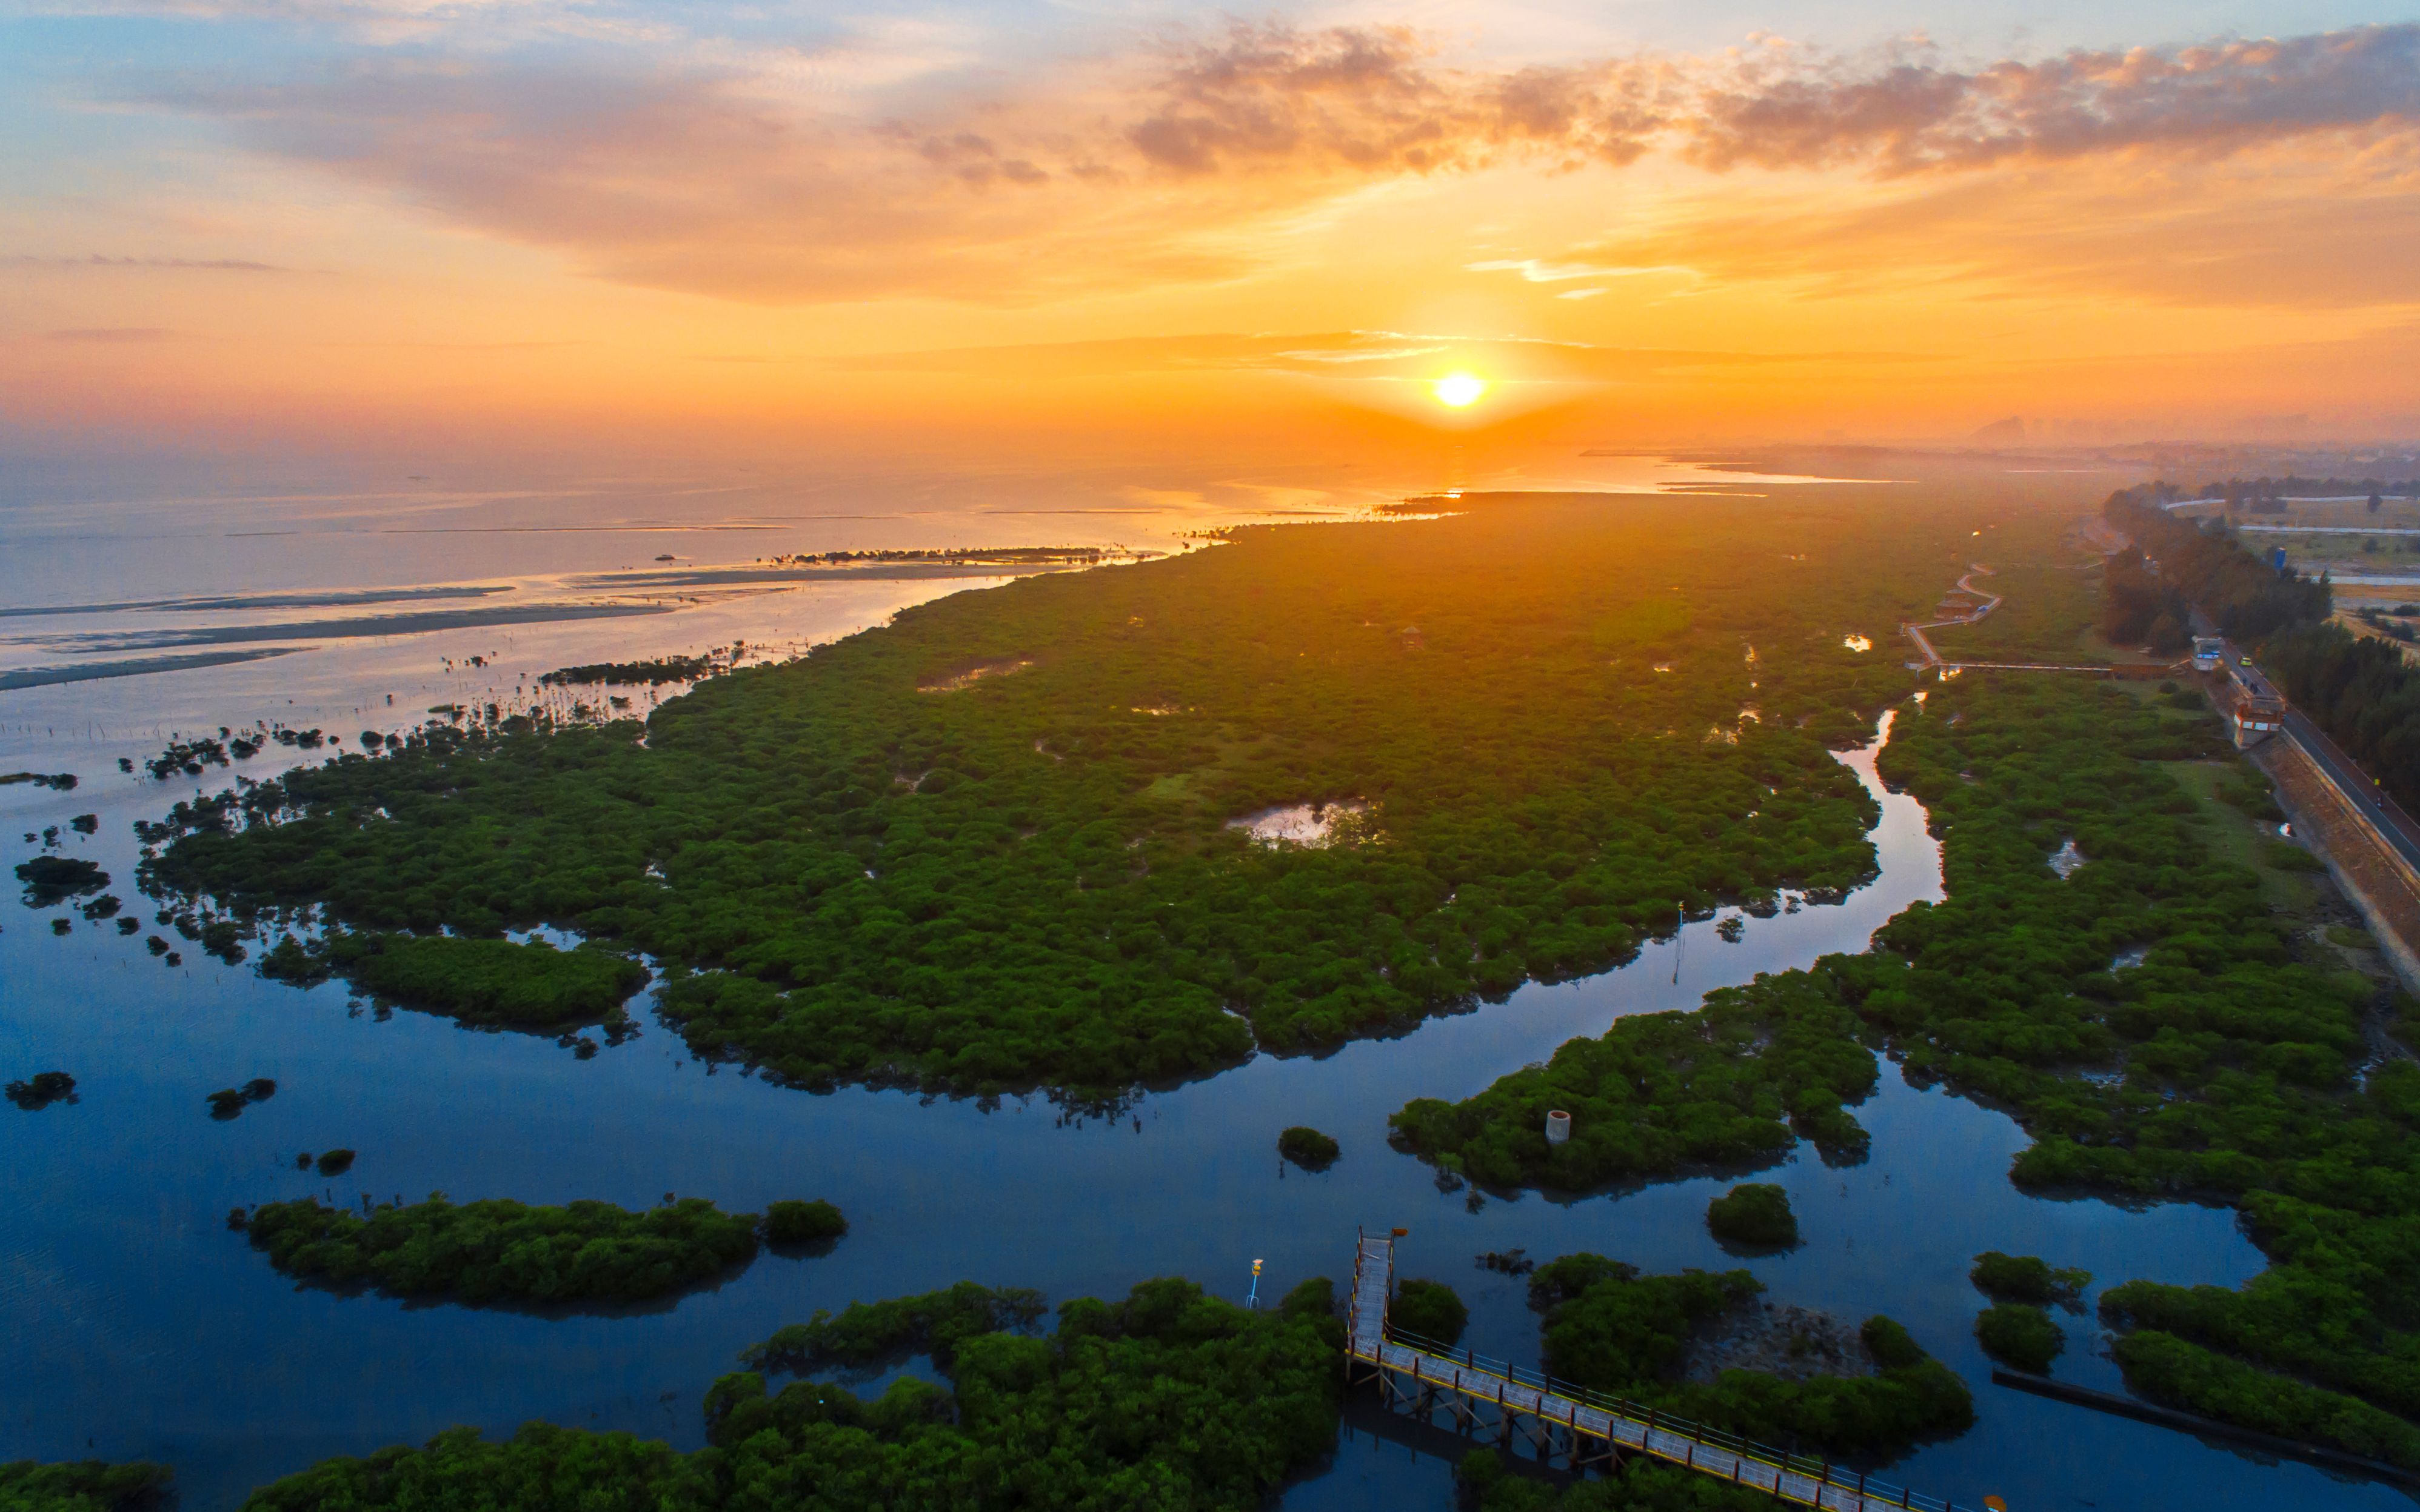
1435 965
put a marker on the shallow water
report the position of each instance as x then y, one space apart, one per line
1298 823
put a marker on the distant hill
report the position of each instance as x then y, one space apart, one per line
2009 432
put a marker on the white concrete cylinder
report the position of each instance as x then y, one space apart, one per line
1558 1127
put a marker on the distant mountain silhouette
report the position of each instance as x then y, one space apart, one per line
2009 432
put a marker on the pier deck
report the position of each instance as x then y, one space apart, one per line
1584 1425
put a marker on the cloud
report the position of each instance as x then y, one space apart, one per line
1371 99
702 179
1370 354
1904 115
2288 226
1538 270
301 11
113 335
219 265
719 172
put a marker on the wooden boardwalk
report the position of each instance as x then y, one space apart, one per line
1934 661
1583 1425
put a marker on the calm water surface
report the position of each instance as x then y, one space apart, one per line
133 1324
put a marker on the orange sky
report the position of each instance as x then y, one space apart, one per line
510 225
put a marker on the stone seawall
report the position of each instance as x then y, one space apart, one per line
2377 881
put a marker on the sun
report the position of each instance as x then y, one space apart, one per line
1458 390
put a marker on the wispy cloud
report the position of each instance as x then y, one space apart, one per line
433 11
96 260
1370 354
1373 99
1538 270
1908 114
111 335
2291 226
721 175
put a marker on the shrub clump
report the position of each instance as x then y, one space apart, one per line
865 1333
504 1251
81 1486
659 670
1608 1328
2165 1368
476 981
1168 1400
793 1221
52 880
1431 1310
1754 1214
1889 1342
42 1089
1736 1082
229 1101
2026 1278
1308 1147
2020 1336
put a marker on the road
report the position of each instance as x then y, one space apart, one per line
2392 825
2388 816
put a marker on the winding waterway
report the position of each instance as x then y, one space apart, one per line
134 1324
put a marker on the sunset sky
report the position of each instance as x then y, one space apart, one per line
1006 229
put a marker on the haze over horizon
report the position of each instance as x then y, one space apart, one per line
1055 236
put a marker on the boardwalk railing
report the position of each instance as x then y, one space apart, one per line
1467 1381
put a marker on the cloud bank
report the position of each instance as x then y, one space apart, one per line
718 175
